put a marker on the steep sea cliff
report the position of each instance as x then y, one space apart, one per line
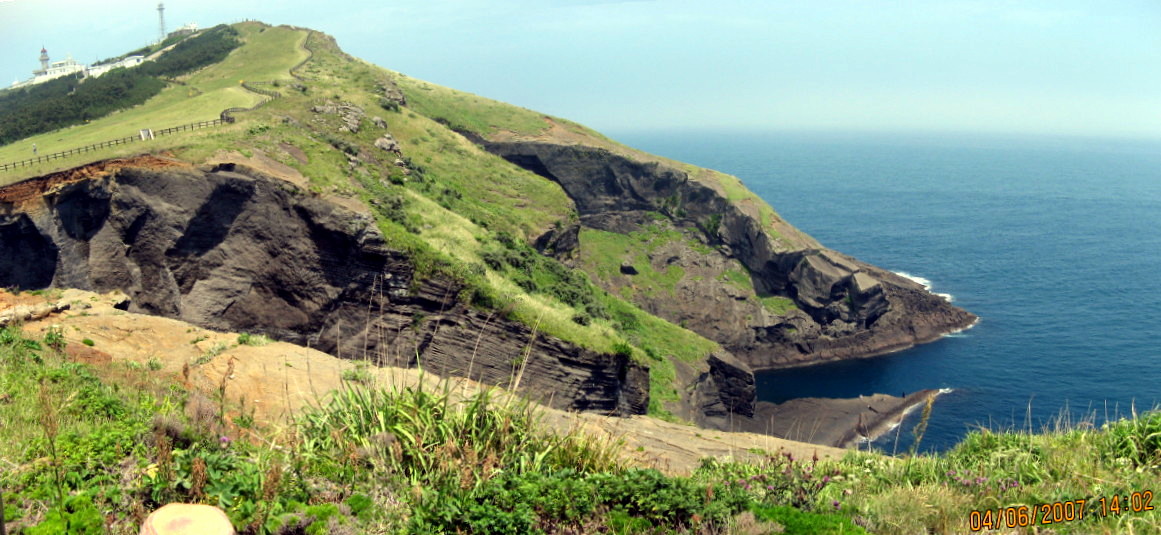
1050 241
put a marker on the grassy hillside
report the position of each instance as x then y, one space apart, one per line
93 449
267 54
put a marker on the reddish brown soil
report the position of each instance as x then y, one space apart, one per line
87 355
35 188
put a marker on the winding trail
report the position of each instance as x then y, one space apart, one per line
227 114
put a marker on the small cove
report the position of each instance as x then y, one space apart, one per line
1053 242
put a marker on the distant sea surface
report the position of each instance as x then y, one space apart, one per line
1055 243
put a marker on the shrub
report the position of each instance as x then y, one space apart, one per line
358 374
54 338
78 516
388 104
782 480
623 349
539 274
582 318
248 339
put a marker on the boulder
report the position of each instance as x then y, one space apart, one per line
22 313
187 519
735 382
387 143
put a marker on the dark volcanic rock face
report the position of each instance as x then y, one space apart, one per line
844 308
234 250
29 259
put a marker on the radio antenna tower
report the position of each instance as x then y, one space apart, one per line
160 22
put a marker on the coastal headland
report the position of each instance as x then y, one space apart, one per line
374 216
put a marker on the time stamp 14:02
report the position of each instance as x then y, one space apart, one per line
1021 516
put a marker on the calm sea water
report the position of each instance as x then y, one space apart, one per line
1054 243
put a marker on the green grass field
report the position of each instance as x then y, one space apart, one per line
465 111
267 55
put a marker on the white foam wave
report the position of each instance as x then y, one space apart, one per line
925 283
912 407
959 333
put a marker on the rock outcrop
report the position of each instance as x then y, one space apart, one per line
350 115
718 394
842 308
229 248
387 143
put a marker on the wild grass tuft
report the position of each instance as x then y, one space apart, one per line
1136 439
476 439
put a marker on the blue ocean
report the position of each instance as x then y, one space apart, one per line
1054 242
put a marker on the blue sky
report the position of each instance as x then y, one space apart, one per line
1066 67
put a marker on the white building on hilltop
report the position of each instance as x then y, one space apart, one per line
188 29
128 62
49 71
69 66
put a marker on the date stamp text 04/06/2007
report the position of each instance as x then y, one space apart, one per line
1022 516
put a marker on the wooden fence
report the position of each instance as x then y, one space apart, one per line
190 126
309 56
146 134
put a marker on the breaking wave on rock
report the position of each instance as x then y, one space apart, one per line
926 283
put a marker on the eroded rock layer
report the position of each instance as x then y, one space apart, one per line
231 249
